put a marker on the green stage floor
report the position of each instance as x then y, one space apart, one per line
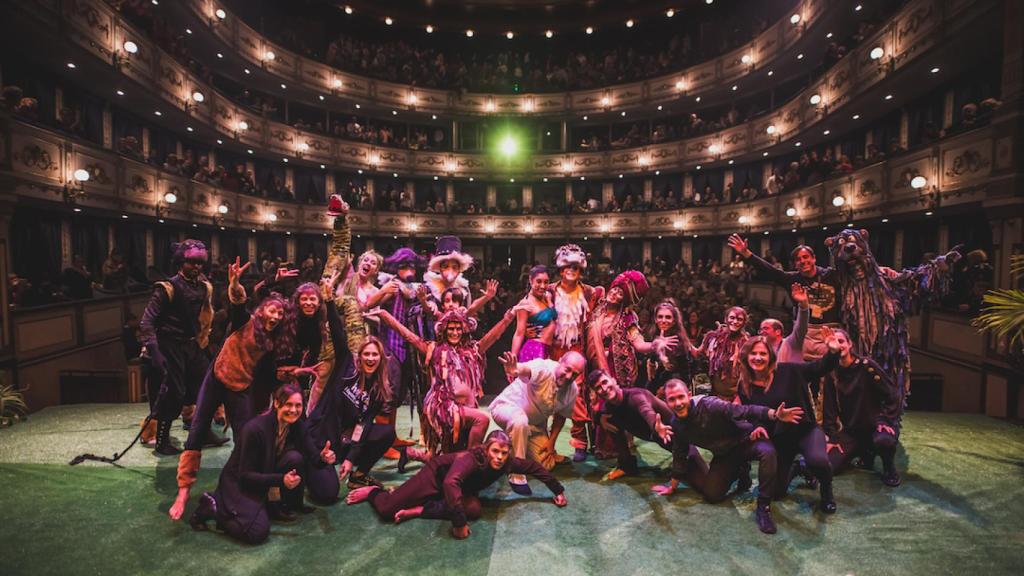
960 510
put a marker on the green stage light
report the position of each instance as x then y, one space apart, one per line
508 146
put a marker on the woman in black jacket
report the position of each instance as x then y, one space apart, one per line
766 383
446 487
268 464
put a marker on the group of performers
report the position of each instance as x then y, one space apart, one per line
310 383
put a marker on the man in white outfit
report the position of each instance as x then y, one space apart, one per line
541 389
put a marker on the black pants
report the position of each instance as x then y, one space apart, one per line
377 438
626 459
238 406
245 518
322 484
809 441
864 443
419 491
187 365
726 467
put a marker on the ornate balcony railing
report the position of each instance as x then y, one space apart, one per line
40 164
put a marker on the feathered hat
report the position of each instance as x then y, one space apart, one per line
570 254
189 250
403 257
634 285
449 248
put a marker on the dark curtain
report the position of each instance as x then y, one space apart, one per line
131 242
89 238
35 245
163 237
919 238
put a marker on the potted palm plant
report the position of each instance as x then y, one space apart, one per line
1003 314
12 405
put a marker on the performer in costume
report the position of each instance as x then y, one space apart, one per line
243 375
273 455
447 488
862 413
721 347
537 312
452 418
175 330
676 363
574 302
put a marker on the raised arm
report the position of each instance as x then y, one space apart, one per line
764 269
339 252
803 313
513 368
494 334
488 294
812 371
237 314
384 316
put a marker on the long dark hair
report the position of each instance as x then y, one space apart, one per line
380 387
746 372
281 341
678 328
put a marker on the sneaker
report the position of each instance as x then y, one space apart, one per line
278 512
765 522
617 473
518 484
891 478
579 455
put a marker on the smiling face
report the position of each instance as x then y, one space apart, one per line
369 265
736 319
569 369
664 319
272 314
539 285
450 300
615 295
845 345
309 303
570 274
369 358
608 389
677 396
771 330
453 332
805 263
290 410
497 455
758 358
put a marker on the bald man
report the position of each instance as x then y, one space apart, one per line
540 389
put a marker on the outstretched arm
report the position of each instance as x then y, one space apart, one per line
397 326
764 269
488 294
339 253
494 334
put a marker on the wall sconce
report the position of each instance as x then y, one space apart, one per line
74 189
680 85
489 105
222 210
240 127
412 99
163 205
818 102
268 58
219 15
606 100
301 149
845 209
714 149
193 101
886 63
269 219
930 196
528 104
124 55
489 228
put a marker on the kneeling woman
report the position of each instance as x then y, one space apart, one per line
764 382
272 457
447 487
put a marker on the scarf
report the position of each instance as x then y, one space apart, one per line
573 309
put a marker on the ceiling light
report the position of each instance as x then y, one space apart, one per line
124 216
590 30
935 70
827 132
219 141
670 13
285 160
246 70
799 144
189 128
348 10
284 86
771 72
856 116
623 113
321 97
548 34
249 150
697 99
629 23
731 162
794 19
707 2
735 87
119 93
929 213
885 220
433 116
829 35
800 56
585 118
698 166
394 112
358 106
220 14
388 20
877 52
158 113
323 167
765 154
888 96
429 29
510 35
659 107
469 33
130 47
71 65
857 8
219 55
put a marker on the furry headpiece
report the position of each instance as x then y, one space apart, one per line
570 254
189 250
449 248
457 315
403 257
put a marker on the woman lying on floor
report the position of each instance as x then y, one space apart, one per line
447 487
263 478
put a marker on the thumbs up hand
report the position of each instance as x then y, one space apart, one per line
327 455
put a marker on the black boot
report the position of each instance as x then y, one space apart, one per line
765 522
828 501
743 483
279 512
890 477
206 511
213 440
403 458
163 439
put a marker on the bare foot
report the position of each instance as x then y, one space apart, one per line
178 508
359 495
408 514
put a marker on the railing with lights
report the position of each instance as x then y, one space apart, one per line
45 165
909 35
295 69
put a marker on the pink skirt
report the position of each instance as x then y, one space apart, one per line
533 349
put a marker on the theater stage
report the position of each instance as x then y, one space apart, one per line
960 510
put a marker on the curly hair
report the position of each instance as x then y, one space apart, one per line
281 341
